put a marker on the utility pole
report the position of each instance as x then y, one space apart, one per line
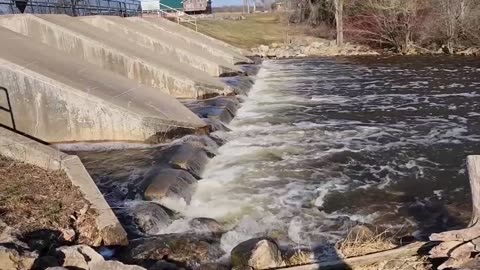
339 21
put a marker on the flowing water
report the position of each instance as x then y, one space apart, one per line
323 143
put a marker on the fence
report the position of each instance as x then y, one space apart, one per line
123 8
156 8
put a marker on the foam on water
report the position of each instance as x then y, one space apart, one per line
322 144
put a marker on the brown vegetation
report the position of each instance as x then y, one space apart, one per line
398 24
33 199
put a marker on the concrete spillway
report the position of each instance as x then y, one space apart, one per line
206 43
164 43
112 51
58 98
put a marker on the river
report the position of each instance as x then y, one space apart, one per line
322 144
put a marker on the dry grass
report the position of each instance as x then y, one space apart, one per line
32 199
359 242
256 29
363 242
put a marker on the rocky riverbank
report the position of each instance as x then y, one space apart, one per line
310 47
301 47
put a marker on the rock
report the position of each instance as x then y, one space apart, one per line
149 217
56 268
10 235
79 256
189 249
170 184
263 49
259 253
68 234
189 158
206 225
12 259
112 265
46 262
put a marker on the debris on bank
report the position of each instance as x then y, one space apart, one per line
34 199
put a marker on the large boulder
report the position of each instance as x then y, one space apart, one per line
258 253
13 259
187 249
208 225
150 217
188 157
78 256
165 183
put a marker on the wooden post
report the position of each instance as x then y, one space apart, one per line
339 21
458 245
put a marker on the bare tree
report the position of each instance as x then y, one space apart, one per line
339 21
386 22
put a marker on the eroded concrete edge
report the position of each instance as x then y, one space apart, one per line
23 149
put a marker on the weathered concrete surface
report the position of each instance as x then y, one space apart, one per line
221 49
17 147
59 99
162 42
115 53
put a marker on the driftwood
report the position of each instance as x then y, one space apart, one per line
459 245
392 254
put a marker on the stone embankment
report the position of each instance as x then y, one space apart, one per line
310 48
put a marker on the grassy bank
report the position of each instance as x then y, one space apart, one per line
254 30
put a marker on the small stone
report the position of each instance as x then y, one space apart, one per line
12 259
259 253
68 235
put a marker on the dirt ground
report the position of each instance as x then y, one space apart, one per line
32 199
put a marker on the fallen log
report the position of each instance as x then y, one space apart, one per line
460 245
392 254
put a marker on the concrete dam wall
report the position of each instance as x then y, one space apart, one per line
165 44
221 49
105 78
111 51
57 98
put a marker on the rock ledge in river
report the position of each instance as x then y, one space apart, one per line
258 253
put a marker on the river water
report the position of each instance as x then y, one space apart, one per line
322 144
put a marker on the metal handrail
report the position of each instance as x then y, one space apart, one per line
179 14
9 109
79 7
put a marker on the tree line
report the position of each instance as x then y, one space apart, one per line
402 25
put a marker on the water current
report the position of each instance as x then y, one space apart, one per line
323 143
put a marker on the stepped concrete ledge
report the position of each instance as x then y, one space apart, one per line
20 148
214 46
165 44
113 52
57 98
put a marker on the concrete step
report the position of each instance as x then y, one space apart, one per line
161 42
113 52
214 46
58 98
